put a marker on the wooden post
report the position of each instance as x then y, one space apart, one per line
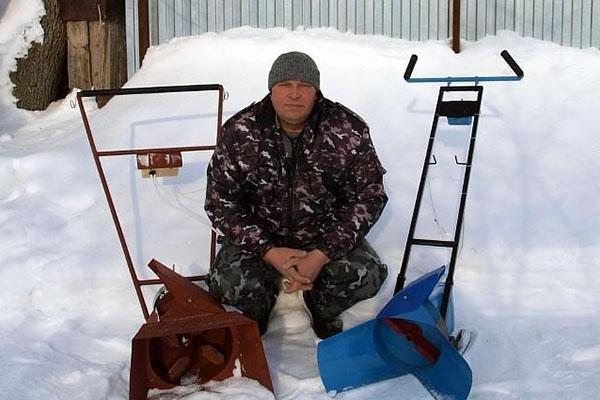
143 29
456 26
97 50
78 49
107 56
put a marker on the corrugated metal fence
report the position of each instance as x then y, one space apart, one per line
567 22
574 23
414 20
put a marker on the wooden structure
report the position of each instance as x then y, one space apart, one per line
96 44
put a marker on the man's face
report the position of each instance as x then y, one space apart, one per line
293 102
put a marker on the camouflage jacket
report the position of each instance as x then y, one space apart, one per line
327 197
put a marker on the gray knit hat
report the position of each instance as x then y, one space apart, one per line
294 66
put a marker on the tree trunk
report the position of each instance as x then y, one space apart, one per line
41 76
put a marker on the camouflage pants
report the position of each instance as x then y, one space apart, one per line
252 285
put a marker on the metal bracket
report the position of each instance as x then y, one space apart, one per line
459 162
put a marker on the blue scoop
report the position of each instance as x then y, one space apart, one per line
408 336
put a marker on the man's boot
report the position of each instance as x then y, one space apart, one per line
323 328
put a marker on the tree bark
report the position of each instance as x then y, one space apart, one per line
41 76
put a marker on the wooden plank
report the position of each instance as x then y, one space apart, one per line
87 10
458 9
108 63
78 58
144 29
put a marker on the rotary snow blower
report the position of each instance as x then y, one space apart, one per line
412 334
188 337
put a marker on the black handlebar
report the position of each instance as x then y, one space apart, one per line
512 63
504 54
410 66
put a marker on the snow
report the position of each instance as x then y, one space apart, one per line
525 278
19 27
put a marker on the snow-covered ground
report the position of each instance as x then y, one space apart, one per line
526 276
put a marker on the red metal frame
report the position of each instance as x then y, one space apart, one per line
138 283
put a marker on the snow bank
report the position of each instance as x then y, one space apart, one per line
525 277
19 28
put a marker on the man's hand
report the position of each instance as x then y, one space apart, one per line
279 258
308 266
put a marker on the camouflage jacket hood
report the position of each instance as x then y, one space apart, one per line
327 198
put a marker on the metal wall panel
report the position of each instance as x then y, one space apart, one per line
568 22
573 23
409 19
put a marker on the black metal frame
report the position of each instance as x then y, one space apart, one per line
454 110
444 109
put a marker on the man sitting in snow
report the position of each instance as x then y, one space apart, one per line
294 185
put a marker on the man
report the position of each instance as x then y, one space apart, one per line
294 185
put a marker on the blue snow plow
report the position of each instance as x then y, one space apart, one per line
412 334
408 336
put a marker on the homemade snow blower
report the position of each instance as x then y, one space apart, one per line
412 334
188 336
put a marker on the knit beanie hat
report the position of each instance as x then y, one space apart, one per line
294 66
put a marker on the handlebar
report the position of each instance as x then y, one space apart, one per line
512 63
504 54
